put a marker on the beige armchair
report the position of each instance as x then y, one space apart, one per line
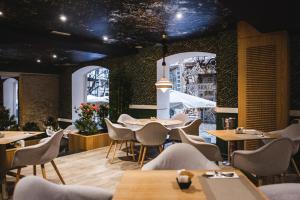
152 134
123 117
39 154
270 160
284 191
210 151
192 129
180 156
35 188
118 133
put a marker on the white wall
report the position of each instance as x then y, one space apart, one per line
79 88
10 95
163 98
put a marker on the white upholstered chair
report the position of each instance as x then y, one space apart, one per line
192 129
152 134
119 134
39 154
284 191
35 188
180 156
124 117
270 160
210 151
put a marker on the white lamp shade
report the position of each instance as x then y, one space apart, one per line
163 84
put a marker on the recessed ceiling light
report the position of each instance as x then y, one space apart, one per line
38 60
54 56
1 13
104 37
63 18
179 15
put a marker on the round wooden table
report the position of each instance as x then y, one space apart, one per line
138 123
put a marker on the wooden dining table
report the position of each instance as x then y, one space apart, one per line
10 137
162 185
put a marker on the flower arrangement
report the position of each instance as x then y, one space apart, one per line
91 118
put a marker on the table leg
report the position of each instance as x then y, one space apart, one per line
3 167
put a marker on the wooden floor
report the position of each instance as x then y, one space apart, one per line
88 168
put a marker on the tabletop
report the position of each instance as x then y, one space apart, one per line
230 135
161 184
13 136
143 122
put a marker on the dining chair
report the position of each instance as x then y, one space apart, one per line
270 160
118 133
192 129
152 134
210 151
35 188
124 117
292 132
39 154
180 156
283 191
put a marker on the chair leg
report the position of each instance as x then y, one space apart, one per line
114 153
144 154
140 153
57 172
132 150
111 143
121 145
126 144
18 174
34 170
295 166
43 171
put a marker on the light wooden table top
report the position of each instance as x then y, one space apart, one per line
143 122
161 184
230 135
13 136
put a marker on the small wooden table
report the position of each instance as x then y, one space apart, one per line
9 137
138 123
230 137
161 184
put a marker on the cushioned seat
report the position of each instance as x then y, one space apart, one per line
284 191
35 188
180 156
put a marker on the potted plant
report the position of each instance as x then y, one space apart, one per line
90 125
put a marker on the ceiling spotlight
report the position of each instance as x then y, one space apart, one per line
38 60
105 38
63 18
179 15
1 13
54 56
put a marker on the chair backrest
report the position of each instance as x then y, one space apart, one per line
181 117
152 134
193 127
118 132
123 117
40 153
180 156
287 191
36 188
210 151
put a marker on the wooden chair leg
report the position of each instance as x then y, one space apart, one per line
126 144
18 174
144 154
114 153
57 172
111 143
121 145
295 166
43 171
34 170
132 150
140 153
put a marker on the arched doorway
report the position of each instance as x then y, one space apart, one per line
89 84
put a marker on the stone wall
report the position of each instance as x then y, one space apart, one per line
38 97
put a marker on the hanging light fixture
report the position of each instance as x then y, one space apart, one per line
164 84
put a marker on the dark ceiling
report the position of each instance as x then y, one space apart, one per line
26 26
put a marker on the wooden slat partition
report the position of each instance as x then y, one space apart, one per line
263 79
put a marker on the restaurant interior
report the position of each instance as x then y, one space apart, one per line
149 99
